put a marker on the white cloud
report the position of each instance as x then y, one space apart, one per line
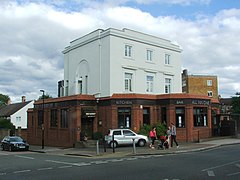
34 34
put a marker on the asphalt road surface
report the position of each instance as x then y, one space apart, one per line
220 163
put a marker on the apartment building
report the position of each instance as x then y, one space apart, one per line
206 85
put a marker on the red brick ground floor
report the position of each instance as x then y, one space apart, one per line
59 121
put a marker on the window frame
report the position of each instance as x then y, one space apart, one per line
149 83
128 51
167 59
167 85
128 82
149 55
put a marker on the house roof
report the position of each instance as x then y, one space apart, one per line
10 109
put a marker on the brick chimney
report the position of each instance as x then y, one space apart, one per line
23 98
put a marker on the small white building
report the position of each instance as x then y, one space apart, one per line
17 113
110 61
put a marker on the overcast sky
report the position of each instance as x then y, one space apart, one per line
33 34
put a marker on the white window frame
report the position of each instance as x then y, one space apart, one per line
167 59
149 83
128 51
128 82
167 85
149 55
209 82
210 94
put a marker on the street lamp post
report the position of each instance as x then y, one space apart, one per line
42 118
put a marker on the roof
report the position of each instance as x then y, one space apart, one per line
10 109
226 101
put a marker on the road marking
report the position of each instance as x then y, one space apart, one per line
62 167
99 162
215 167
26 157
59 162
233 174
210 173
42 169
1 174
23 171
115 160
81 164
131 159
238 165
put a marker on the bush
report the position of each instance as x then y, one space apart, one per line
161 129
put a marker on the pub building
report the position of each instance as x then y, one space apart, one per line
65 117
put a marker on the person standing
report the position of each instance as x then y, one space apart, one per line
153 136
173 135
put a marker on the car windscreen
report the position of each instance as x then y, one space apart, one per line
15 139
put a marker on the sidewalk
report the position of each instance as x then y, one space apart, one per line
91 152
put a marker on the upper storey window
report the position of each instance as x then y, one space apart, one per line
167 59
209 82
128 51
149 55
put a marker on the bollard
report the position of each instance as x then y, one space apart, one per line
134 147
113 143
97 147
104 143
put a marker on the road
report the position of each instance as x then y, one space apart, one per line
220 163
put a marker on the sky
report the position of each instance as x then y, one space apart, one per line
33 34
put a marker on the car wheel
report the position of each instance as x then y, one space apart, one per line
10 148
2 148
141 142
113 144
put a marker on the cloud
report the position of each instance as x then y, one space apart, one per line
33 34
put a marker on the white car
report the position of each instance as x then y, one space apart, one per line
125 137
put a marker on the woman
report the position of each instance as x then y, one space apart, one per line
153 137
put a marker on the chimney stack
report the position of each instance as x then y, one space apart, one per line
23 98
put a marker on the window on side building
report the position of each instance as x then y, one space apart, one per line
209 82
53 121
180 117
200 116
210 94
64 118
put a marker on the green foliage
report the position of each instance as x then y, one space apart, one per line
6 124
4 99
97 136
160 129
236 104
46 96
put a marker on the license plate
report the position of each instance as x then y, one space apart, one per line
21 147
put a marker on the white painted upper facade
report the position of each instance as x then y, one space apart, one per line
110 61
19 118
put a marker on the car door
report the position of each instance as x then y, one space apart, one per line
128 136
118 136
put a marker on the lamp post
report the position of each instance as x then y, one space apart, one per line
42 118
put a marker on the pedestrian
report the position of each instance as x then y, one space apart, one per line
169 134
153 137
173 135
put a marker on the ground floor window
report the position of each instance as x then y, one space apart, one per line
124 117
146 116
164 115
40 118
64 118
180 117
53 121
200 116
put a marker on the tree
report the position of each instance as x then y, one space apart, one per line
6 124
4 99
236 103
46 96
